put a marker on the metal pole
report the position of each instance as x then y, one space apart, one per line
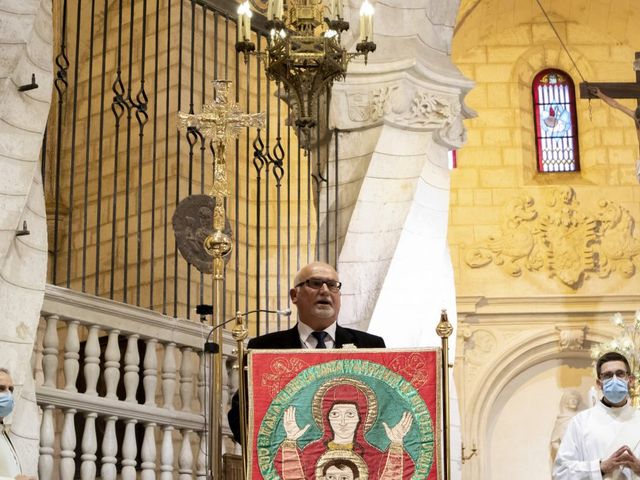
239 334
444 330
216 404
211 424
214 442
219 244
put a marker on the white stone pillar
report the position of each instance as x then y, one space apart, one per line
25 49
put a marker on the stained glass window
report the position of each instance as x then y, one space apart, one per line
554 106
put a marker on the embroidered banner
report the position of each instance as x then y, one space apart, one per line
365 414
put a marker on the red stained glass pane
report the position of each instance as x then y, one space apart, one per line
554 107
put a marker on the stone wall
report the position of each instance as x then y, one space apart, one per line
541 261
497 179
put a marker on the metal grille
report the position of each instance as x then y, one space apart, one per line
115 164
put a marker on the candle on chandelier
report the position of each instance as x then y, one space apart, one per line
247 26
244 22
275 9
336 9
366 22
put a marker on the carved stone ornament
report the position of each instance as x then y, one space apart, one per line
424 110
478 345
571 339
561 238
372 105
192 224
381 101
429 110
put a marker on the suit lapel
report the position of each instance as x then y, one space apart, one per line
343 337
292 338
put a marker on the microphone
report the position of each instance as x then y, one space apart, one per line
211 347
285 312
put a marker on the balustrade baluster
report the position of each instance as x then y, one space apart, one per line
89 448
186 379
129 451
71 356
201 459
50 352
185 460
166 453
47 438
131 368
112 365
201 382
66 453
169 375
68 446
109 450
150 379
148 453
92 360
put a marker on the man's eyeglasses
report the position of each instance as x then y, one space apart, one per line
316 284
621 374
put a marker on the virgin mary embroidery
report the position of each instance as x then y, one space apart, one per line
320 418
345 409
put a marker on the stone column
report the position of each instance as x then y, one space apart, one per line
398 117
25 49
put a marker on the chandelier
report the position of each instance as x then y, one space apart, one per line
304 50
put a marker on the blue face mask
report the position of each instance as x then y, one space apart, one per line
6 405
615 390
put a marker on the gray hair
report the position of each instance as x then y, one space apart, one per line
5 370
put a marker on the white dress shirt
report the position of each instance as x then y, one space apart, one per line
309 341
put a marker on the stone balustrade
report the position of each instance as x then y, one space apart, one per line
123 391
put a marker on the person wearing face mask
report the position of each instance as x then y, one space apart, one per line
603 442
9 464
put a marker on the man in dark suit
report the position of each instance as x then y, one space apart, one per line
316 295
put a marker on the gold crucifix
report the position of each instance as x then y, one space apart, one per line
219 122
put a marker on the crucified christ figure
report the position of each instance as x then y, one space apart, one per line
612 102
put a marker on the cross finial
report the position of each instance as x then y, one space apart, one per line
222 119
